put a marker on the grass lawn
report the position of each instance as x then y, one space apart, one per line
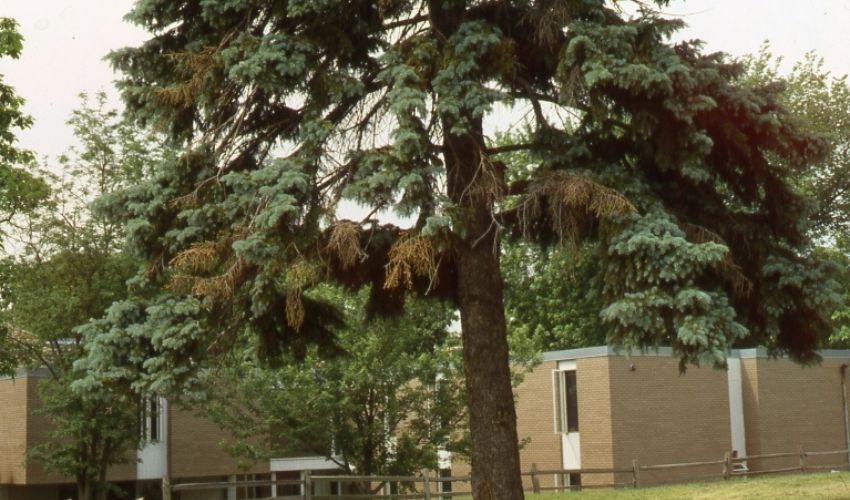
815 485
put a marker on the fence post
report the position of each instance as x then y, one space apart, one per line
231 490
308 485
802 460
635 474
426 484
727 465
166 488
535 480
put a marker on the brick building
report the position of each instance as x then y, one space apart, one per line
181 444
579 409
596 409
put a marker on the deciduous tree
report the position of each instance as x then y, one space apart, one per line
385 405
19 189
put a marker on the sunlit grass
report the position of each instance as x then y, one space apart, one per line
815 485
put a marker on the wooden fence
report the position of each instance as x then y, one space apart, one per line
425 486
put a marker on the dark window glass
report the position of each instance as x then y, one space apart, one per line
572 401
154 421
445 486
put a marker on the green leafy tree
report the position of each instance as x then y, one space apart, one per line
288 107
553 296
70 268
385 405
839 253
19 189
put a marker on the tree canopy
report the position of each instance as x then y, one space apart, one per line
288 107
19 189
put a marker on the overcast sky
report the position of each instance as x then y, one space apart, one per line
67 39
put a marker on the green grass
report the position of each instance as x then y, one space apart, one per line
785 487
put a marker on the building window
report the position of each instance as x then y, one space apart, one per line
566 401
445 486
151 420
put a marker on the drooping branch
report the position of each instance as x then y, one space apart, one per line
563 204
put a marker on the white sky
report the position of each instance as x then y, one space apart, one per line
67 39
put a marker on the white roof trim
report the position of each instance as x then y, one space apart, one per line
23 373
301 463
602 351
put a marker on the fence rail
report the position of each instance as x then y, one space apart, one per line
426 486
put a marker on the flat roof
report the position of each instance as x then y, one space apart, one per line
600 351
23 373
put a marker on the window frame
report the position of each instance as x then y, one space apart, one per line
565 421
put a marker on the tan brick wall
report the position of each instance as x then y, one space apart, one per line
195 450
541 445
658 416
535 428
662 417
594 417
535 424
13 430
796 406
196 447
461 468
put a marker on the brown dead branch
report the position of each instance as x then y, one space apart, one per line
207 257
344 243
301 274
567 201
741 285
550 17
198 257
197 66
215 289
489 181
411 256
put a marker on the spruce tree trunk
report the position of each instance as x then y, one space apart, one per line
492 417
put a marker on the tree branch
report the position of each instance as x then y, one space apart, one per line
510 148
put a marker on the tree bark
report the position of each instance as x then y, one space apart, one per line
81 491
492 417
